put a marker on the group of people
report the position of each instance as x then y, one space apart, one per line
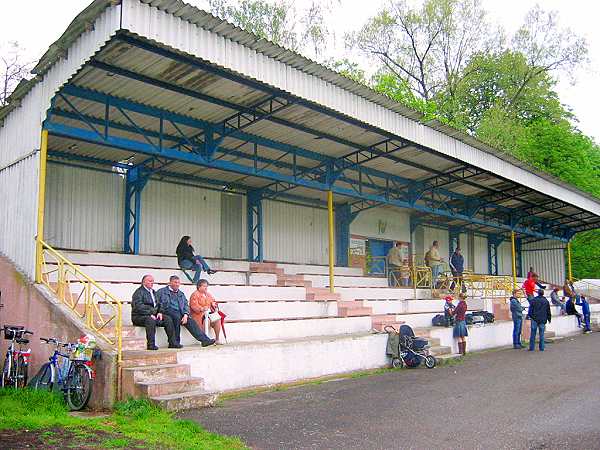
539 312
169 308
457 315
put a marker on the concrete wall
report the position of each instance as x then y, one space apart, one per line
383 223
24 304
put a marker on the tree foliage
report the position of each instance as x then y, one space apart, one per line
13 69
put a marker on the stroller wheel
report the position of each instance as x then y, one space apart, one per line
430 361
397 363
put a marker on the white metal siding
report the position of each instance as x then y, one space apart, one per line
18 212
465 250
437 234
547 259
170 211
505 258
233 226
295 233
84 208
185 36
480 263
382 223
20 135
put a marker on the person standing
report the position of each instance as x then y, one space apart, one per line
448 310
435 261
539 314
460 324
394 259
174 304
187 260
516 310
529 286
145 312
585 309
457 267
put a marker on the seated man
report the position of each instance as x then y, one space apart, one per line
555 300
203 305
173 304
145 313
572 311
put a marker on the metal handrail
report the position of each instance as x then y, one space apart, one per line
85 304
422 278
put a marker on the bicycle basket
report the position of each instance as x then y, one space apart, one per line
13 331
84 349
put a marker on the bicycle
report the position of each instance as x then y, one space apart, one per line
16 362
73 372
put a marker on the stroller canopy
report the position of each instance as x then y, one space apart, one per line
406 331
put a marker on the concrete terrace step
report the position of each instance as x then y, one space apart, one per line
155 372
134 275
186 400
265 330
141 358
347 281
306 269
157 388
380 293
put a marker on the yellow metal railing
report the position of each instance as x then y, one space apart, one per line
489 286
82 295
422 278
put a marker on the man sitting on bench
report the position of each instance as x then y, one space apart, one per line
145 312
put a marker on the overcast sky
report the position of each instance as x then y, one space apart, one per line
36 24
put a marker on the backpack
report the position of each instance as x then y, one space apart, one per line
439 320
488 317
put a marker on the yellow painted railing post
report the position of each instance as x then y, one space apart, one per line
331 239
569 261
41 205
514 259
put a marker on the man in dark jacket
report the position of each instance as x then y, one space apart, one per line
174 305
145 313
516 310
457 267
540 314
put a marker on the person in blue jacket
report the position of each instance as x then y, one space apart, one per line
516 310
585 309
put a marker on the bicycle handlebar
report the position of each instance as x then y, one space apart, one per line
16 330
55 341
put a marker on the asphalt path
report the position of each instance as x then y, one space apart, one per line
506 399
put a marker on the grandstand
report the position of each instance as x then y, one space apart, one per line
150 119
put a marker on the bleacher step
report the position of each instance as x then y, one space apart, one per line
157 388
157 372
186 400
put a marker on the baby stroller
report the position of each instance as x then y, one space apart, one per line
406 349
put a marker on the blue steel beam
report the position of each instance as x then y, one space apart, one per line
228 166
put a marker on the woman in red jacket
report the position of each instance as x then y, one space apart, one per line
460 324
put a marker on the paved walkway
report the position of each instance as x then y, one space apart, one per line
503 399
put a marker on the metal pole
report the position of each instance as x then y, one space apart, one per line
41 206
331 239
569 261
514 259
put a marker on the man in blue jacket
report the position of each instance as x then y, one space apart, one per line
516 310
174 304
457 267
540 314
585 309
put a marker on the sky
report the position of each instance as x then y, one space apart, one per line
35 24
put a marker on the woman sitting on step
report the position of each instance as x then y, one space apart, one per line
204 306
187 260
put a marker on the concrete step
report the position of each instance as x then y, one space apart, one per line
139 358
447 357
157 388
439 350
354 311
348 281
134 343
157 372
186 400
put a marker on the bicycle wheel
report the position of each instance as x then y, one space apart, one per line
43 380
5 381
21 369
78 386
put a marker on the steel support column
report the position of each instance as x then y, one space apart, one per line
514 258
255 226
569 266
342 233
134 184
493 244
519 256
41 205
330 225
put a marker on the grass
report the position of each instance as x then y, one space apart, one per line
134 423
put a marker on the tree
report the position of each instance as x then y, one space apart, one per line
13 69
426 47
279 22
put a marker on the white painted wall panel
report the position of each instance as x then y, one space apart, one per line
480 263
170 211
295 233
18 212
84 208
383 223
163 27
465 247
547 258
505 258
